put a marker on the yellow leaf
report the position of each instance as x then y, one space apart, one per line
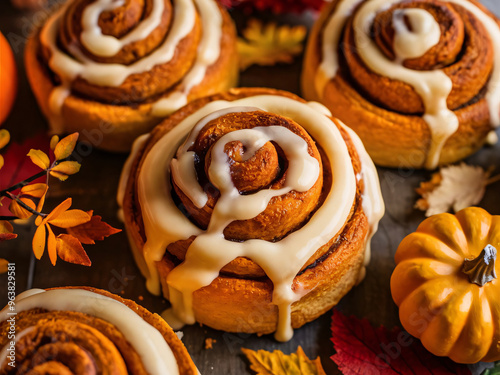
52 246
70 218
269 44
65 147
20 211
3 265
39 241
54 141
65 169
1 161
39 158
277 363
4 138
34 190
59 176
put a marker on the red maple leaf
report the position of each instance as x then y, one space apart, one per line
18 166
363 349
93 230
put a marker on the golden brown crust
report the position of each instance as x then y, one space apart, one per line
387 114
72 331
111 118
239 300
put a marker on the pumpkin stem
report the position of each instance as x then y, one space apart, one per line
481 270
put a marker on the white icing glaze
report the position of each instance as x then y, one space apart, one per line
147 341
282 260
122 184
208 53
424 34
68 68
106 45
432 86
492 138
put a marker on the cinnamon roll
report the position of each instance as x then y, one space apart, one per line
418 80
86 331
112 69
251 210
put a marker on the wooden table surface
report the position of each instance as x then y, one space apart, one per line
113 267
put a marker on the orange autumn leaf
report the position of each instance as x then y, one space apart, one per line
71 250
38 242
4 263
6 230
39 158
2 161
69 218
52 246
93 230
65 169
277 363
34 190
20 211
65 146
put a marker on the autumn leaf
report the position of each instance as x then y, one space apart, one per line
39 158
34 190
71 250
363 349
93 230
61 217
4 263
6 230
4 138
18 210
269 44
65 146
277 363
65 169
453 187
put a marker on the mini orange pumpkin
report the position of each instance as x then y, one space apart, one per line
446 287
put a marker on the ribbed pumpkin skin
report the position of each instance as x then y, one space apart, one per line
437 303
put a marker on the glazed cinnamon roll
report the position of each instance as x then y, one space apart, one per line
251 210
113 69
86 331
419 80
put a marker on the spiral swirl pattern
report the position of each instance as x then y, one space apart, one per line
85 331
425 73
151 54
256 192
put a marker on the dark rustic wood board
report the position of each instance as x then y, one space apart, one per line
113 267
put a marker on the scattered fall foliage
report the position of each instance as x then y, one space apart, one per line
27 198
269 44
453 187
363 349
277 363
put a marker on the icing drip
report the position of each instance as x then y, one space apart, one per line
432 86
156 355
68 68
282 260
